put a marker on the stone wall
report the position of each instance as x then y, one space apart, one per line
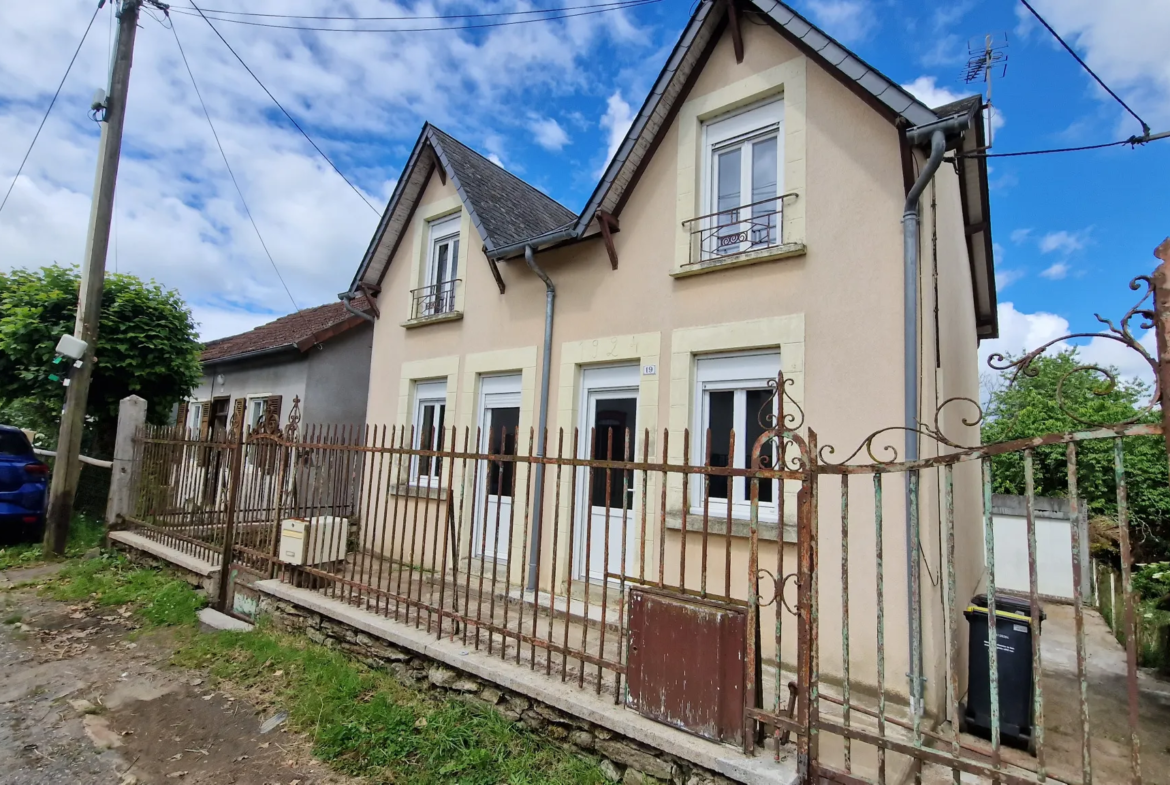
622 760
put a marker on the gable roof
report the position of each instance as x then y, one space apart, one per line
687 59
298 331
524 216
505 209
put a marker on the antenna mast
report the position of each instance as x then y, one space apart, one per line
983 63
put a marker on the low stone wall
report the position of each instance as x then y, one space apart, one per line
622 760
205 580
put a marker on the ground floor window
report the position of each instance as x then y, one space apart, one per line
430 412
732 404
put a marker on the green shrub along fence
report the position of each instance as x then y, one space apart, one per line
1153 623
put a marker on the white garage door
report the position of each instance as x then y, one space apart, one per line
1054 567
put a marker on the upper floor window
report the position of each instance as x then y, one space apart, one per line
430 411
742 181
437 295
732 399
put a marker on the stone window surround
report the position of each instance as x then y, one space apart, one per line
785 333
421 248
786 81
445 368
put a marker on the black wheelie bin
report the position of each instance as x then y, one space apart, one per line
1014 629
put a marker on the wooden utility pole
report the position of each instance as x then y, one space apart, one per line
67 467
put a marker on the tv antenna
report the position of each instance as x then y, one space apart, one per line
985 61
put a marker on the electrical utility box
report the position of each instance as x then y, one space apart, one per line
315 541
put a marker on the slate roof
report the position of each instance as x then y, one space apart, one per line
301 329
971 103
504 208
509 209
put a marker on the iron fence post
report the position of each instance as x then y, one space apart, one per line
1161 280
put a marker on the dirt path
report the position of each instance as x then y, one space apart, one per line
84 700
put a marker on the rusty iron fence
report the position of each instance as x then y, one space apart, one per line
852 575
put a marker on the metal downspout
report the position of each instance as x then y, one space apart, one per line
346 298
910 242
542 424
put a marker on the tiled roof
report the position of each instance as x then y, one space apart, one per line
287 331
509 209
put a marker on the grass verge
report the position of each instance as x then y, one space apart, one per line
85 532
365 723
159 597
362 721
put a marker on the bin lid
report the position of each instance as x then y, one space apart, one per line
1006 606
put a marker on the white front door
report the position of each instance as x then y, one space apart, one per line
608 432
499 422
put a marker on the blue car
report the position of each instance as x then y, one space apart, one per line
24 484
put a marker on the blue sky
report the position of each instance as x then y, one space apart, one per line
548 101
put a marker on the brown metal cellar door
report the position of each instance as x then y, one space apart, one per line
686 663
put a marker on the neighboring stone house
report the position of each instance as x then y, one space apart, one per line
320 355
754 220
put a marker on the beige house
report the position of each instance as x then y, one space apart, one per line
777 206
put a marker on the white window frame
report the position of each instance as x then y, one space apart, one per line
741 128
195 416
252 400
442 232
737 372
428 394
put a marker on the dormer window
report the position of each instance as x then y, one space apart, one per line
437 295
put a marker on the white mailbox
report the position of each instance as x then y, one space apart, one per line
314 541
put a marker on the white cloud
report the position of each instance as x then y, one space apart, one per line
1062 241
179 219
849 21
495 159
1123 41
217 322
616 121
1004 277
1020 235
927 90
1020 333
548 133
1055 272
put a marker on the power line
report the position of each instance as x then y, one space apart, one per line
1133 141
616 3
231 174
292 119
1069 49
52 103
437 28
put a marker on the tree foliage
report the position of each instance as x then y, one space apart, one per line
147 346
1032 407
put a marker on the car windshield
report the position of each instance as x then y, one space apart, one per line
14 443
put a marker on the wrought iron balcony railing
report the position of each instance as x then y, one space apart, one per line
750 227
433 300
